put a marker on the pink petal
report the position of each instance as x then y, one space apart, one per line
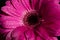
14 8
26 4
30 34
11 22
43 34
52 9
58 33
38 38
22 33
35 4
52 28
15 34
51 14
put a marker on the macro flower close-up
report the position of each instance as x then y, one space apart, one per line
30 20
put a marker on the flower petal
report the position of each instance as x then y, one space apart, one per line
11 22
43 34
19 34
14 8
51 14
35 4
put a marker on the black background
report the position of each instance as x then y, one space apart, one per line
2 3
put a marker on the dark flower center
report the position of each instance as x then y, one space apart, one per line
31 19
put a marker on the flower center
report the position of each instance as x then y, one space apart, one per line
31 19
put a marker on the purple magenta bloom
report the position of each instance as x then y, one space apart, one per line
31 19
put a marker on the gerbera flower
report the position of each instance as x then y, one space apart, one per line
31 19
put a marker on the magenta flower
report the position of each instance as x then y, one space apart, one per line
31 19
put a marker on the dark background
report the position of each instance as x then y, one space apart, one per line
2 3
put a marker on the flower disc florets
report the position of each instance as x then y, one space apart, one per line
31 19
